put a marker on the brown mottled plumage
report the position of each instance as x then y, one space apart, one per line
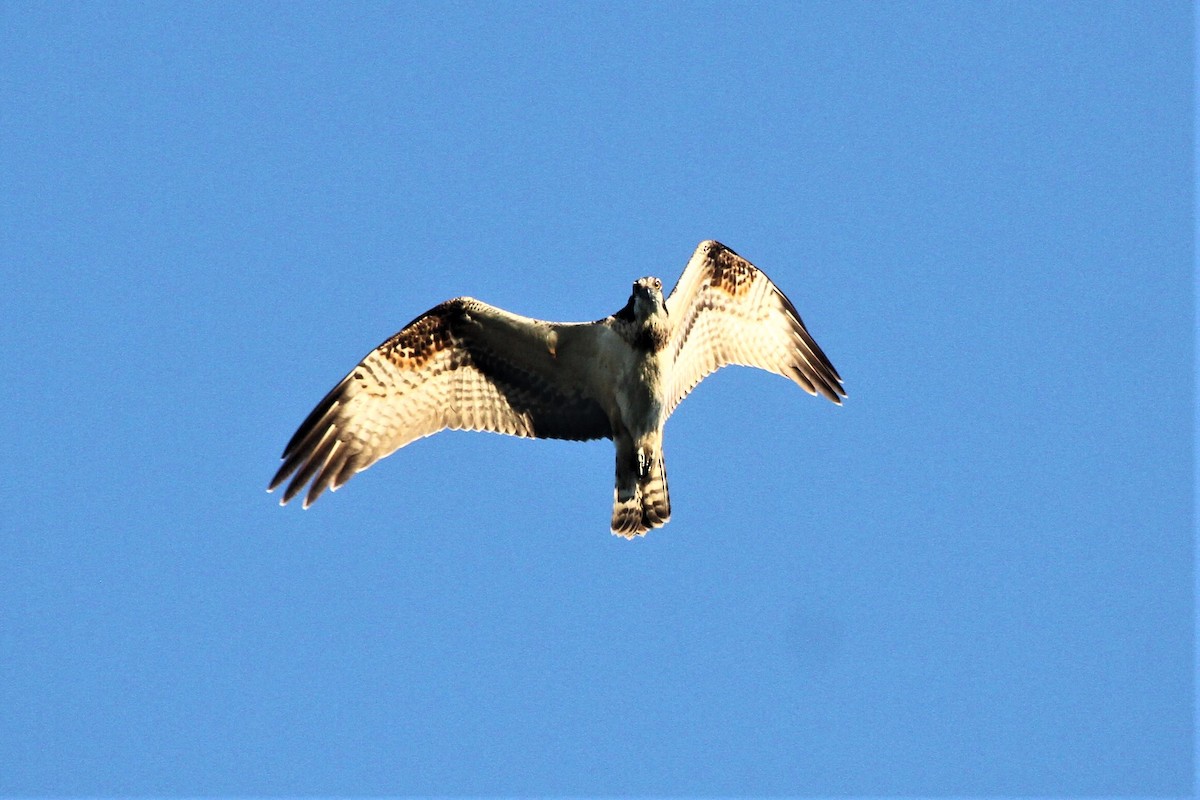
467 365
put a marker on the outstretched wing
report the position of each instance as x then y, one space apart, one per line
463 365
724 310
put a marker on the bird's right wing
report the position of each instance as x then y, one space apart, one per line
727 311
463 365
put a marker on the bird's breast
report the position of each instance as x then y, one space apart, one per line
642 397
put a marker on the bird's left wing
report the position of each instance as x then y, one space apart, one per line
724 310
463 365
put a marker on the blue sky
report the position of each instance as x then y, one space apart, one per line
976 578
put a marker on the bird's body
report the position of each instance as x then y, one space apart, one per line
468 365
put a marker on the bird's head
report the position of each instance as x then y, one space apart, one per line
647 298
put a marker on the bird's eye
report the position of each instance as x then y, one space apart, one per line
658 284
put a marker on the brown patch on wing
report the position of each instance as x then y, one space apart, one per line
731 273
415 345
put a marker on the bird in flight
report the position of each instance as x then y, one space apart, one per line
466 365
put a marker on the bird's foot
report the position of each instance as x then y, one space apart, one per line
643 460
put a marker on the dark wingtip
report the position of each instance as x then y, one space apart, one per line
839 390
280 476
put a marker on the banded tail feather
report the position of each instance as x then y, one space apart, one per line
641 503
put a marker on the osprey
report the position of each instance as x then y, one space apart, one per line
466 365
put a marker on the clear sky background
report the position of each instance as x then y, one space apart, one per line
976 578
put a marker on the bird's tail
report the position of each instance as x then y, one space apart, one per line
641 502
656 500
